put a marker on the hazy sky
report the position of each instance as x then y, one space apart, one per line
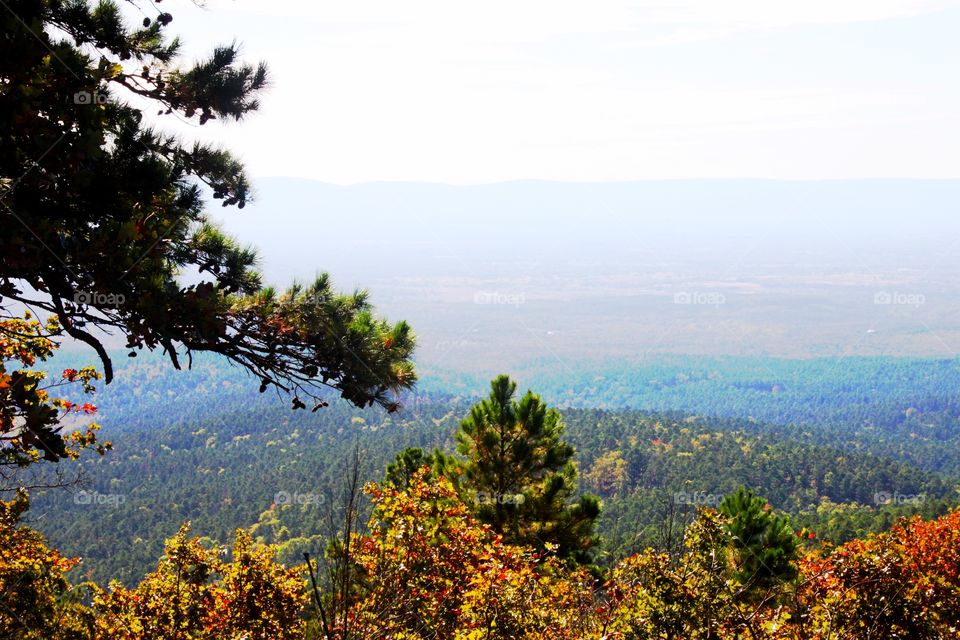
456 92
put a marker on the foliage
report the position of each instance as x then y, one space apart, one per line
762 544
32 578
224 454
521 474
675 463
195 594
105 213
698 595
31 419
410 461
904 583
608 474
428 569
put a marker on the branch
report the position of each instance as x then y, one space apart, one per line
83 336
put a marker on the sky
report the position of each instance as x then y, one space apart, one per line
468 93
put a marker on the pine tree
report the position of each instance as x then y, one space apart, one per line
764 547
520 474
102 211
411 460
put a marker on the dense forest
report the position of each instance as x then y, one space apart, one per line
684 549
901 407
222 464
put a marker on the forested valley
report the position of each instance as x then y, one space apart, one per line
221 465
703 409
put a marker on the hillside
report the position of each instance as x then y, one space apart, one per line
223 466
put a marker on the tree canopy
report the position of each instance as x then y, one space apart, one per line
426 568
30 416
104 213
521 474
762 542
